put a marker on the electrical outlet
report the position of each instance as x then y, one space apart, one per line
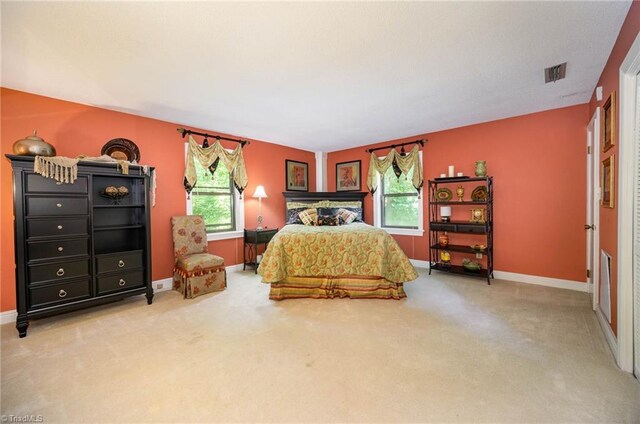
160 286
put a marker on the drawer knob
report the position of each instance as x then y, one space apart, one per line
60 272
121 282
120 263
60 248
59 227
62 293
59 205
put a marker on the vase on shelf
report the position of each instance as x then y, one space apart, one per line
481 168
443 240
460 193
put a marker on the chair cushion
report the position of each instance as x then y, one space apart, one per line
198 261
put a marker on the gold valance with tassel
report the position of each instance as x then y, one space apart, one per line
209 157
401 165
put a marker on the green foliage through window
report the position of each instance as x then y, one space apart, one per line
400 201
213 198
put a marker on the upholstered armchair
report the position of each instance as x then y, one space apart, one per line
195 270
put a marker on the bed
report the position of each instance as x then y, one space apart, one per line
323 262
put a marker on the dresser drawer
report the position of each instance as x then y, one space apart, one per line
441 226
53 294
122 281
58 270
266 236
38 206
57 249
36 183
472 228
119 261
56 227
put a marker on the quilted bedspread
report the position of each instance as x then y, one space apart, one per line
354 249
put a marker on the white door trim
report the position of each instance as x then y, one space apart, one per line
626 171
593 206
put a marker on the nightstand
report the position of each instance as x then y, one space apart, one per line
252 239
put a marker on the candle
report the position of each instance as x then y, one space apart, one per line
445 213
460 174
443 175
451 173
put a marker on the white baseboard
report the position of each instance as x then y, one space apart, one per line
166 283
234 268
418 263
8 317
608 333
524 278
542 281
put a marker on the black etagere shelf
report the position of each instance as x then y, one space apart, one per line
482 231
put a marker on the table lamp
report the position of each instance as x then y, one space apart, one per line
259 194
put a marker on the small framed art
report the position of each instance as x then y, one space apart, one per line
607 182
609 122
297 175
348 176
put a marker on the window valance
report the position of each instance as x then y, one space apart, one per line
401 165
209 158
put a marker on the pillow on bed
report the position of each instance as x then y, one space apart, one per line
292 215
347 216
336 211
309 216
328 220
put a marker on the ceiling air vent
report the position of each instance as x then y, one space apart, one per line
555 73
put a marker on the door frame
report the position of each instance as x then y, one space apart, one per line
627 170
593 209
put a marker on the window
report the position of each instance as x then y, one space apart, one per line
397 207
218 201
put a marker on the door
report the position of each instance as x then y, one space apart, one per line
593 212
636 240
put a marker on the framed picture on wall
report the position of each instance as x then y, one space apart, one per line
348 176
608 135
297 175
607 182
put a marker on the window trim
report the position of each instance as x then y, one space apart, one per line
239 213
377 212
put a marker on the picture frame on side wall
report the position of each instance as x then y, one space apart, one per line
608 125
348 176
297 175
607 182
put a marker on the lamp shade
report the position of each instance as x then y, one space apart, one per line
445 211
259 193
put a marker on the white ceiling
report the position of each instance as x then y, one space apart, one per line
318 76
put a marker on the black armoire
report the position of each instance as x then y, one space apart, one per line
76 245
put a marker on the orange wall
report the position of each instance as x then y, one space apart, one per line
538 162
610 81
76 129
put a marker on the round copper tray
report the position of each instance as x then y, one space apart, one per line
121 148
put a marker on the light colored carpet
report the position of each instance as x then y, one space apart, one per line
456 350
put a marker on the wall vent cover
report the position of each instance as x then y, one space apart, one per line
555 73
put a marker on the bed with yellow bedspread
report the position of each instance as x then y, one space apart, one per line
355 260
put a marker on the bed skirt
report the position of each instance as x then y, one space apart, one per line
353 287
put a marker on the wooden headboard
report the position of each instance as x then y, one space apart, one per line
312 197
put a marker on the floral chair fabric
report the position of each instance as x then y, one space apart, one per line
195 271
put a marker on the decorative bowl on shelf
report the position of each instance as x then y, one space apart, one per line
115 194
472 266
480 248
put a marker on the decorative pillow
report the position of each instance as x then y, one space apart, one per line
347 216
328 220
309 216
292 215
335 211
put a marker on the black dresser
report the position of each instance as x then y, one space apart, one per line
76 246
